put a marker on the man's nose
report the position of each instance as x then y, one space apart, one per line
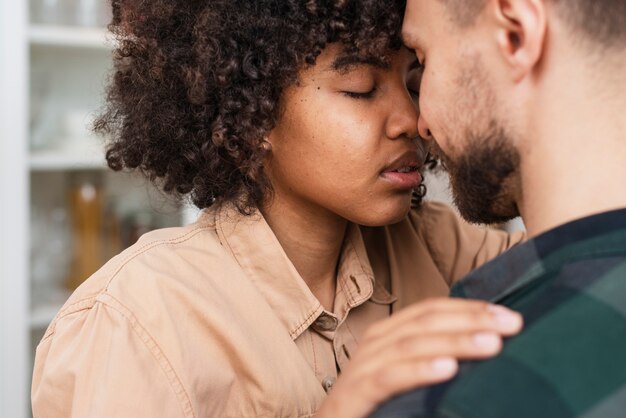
424 129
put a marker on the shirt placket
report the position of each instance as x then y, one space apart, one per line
332 330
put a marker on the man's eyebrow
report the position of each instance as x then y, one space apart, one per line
345 62
412 41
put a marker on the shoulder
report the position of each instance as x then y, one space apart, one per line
429 228
160 263
572 344
434 220
156 310
412 258
435 231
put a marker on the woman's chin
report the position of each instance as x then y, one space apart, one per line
382 216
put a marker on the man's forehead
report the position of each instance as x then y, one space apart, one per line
419 10
422 17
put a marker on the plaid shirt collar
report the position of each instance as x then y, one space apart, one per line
525 263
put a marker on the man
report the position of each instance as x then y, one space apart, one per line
527 102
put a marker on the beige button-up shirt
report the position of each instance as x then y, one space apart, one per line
213 320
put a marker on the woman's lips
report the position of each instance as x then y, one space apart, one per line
408 180
404 171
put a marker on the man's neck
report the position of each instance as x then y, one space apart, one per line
586 192
576 165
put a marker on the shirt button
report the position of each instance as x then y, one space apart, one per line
328 383
326 323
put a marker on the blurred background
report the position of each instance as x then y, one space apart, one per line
62 212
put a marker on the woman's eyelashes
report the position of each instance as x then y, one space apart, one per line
421 60
360 95
413 92
414 83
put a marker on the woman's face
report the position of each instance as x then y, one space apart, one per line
346 142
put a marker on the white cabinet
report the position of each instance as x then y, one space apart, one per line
62 212
14 330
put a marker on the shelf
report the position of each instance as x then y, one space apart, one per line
69 36
58 161
41 316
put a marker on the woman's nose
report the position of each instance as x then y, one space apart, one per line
403 121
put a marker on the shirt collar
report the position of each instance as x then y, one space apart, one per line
253 244
523 264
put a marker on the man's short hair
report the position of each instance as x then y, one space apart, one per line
464 12
600 21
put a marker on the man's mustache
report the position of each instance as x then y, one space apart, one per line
436 157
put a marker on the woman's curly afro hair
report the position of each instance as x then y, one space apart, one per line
197 84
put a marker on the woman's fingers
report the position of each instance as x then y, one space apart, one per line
459 322
453 322
468 321
420 351
424 361
450 314
421 346
461 346
401 376
472 321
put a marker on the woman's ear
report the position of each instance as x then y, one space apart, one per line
266 144
521 33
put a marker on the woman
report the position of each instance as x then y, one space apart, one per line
294 125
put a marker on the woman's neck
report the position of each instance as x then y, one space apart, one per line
312 239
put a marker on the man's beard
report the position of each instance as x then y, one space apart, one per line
483 176
484 167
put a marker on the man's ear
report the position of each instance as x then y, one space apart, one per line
521 26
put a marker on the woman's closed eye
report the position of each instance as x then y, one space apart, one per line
414 83
366 94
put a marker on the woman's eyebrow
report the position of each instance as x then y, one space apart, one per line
346 62
414 65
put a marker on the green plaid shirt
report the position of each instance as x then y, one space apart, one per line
570 360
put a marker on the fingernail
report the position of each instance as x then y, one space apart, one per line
505 317
487 341
444 365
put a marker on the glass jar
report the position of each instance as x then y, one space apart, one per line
52 12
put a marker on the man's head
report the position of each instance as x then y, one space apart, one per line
494 73
599 21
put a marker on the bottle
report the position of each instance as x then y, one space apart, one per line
86 211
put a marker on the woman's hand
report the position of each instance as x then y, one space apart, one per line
418 346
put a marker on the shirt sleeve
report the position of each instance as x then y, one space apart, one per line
99 363
458 247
